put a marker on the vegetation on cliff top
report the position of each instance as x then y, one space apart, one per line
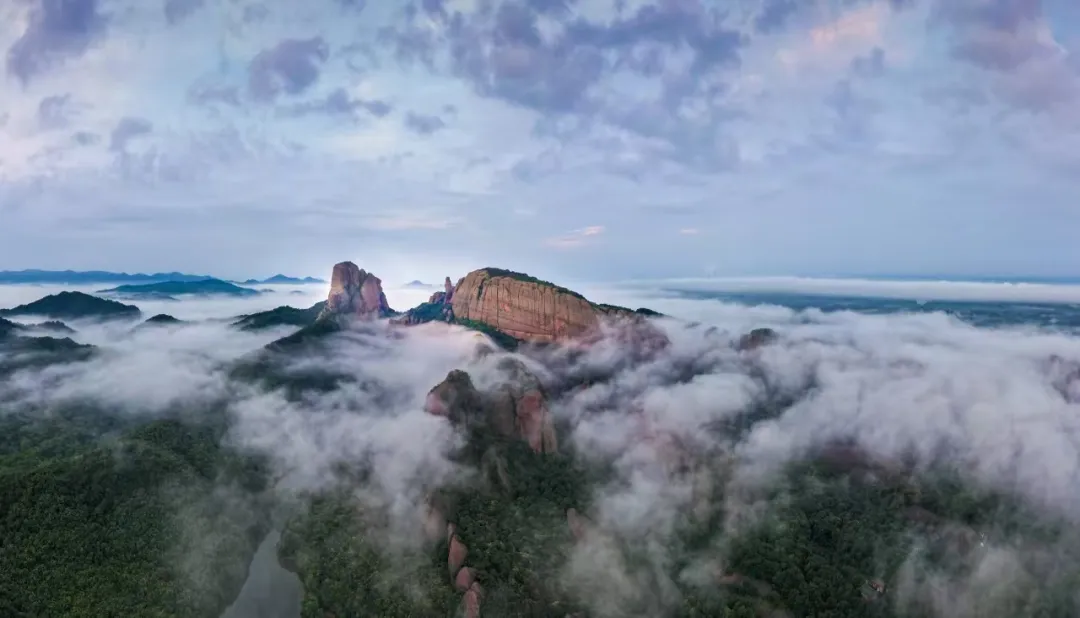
509 274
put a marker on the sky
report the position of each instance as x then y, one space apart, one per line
580 139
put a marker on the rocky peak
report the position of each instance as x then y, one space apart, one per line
355 292
514 307
523 307
448 288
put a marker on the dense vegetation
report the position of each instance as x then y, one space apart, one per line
157 520
504 341
18 351
428 312
163 319
73 306
620 309
280 316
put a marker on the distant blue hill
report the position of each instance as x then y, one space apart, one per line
168 289
1046 280
283 280
90 276
87 277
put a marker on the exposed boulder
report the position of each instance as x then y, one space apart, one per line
464 579
456 555
755 339
471 602
455 398
516 408
357 293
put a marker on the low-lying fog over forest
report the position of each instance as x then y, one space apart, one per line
759 461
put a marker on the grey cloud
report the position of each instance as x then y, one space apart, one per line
254 13
841 99
1003 37
423 124
854 117
339 103
958 97
500 51
58 29
177 10
205 94
292 66
434 7
355 5
774 14
127 129
54 111
995 35
870 65
85 138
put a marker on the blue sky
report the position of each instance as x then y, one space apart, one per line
581 139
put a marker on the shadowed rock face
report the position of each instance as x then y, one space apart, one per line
357 293
756 338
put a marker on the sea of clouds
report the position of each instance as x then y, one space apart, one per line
1000 406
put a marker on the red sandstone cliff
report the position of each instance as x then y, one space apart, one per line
522 307
356 292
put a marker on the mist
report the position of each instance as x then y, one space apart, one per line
998 407
925 289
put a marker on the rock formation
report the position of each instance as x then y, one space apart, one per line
522 307
444 297
517 408
755 339
436 309
357 293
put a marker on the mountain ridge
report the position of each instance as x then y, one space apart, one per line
167 289
87 277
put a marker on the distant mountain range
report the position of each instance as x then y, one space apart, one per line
168 290
283 280
86 277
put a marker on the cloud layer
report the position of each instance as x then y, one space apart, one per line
996 406
912 136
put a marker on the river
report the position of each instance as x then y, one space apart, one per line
270 591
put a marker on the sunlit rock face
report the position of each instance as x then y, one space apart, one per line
357 293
